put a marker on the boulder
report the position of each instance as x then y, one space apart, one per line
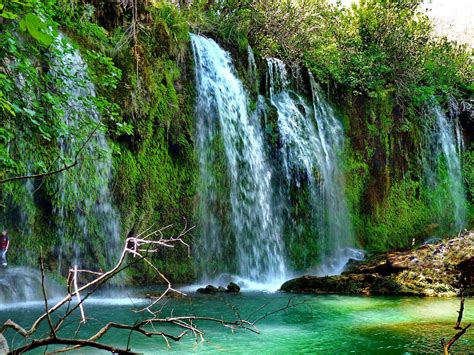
169 294
397 263
233 288
466 269
209 289
352 284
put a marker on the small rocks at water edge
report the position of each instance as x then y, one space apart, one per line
210 289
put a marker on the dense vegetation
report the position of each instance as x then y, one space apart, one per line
378 61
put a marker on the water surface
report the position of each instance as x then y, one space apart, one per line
323 324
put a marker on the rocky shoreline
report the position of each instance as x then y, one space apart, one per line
439 269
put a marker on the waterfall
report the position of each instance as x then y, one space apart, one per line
339 235
312 139
23 148
252 69
23 284
236 197
442 163
88 224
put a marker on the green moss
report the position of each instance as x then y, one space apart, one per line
390 203
400 218
468 175
301 233
357 175
150 125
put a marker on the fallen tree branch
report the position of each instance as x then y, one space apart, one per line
45 297
139 248
63 341
460 313
79 301
96 282
460 333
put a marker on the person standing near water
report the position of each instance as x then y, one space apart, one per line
4 244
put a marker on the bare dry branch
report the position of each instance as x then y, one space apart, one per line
76 291
61 341
458 326
139 247
45 297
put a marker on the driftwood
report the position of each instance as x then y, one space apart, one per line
461 330
138 249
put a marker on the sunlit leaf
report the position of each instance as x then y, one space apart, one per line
27 3
37 28
8 15
6 106
29 112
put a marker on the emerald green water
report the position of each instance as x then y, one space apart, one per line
324 324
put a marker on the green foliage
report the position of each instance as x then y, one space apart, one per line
37 28
302 240
403 216
357 175
371 48
168 29
447 71
29 22
155 168
26 112
5 105
227 20
468 175
149 119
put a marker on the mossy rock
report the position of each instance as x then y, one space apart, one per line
440 269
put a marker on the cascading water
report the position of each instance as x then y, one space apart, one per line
312 139
338 226
24 204
22 284
442 163
233 168
252 69
88 222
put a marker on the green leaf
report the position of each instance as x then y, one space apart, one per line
27 3
37 28
29 112
6 106
8 15
44 133
16 108
23 25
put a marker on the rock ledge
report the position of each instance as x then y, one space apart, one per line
440 269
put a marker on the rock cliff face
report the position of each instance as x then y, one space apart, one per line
305 172
440 269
